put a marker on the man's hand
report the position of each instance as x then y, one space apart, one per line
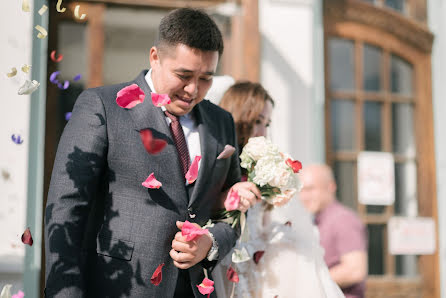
186 254
249 195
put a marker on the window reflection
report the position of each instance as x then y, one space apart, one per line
346 193
342 125
401 76
341 64
372 126
403 138
372 69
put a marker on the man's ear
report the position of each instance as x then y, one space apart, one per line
154 57
332 187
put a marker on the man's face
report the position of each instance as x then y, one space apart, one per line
184 73
316 191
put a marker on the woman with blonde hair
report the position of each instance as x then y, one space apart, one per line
286 259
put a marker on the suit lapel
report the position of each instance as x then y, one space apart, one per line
208 145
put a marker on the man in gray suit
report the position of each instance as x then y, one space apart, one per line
105 233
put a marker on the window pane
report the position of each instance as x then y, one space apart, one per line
403 138
372 68
342 125
406 189
396 4
341 64
406 266
401 76
344 175
376 245
375 209
372 126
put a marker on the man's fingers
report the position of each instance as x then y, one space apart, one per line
183 247
186 265
253 188
180 257
179 224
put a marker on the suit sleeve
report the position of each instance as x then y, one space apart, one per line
224 234
77 171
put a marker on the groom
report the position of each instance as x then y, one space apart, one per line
105 233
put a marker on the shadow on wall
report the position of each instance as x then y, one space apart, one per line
297 99
86 265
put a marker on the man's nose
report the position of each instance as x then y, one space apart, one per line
191 88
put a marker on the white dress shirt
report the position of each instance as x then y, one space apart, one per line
188 123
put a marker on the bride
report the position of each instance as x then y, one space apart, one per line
286 259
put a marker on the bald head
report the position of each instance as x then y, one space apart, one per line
319 187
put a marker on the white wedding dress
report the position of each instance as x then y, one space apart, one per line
292 265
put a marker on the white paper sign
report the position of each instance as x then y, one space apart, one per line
411 236
376 178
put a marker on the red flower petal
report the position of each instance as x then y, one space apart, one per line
152 145
151 182
232 200
160 100
157 276
191 231
206 286
53 57
258 255
288 223
130 96
232 275
294 164
192 174
27 238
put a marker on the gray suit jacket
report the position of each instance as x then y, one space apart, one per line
105 234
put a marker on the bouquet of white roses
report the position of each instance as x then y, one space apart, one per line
274 172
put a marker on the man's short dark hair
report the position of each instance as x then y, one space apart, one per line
191 27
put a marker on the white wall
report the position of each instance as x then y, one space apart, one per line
15 40
437 23
287 68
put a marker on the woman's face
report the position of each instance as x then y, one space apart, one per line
263 121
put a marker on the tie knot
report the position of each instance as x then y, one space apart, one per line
172 117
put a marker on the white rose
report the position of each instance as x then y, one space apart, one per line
284 197
259 147
282 175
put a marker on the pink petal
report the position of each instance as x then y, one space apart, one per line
232 200
206 286
192 174
232 275
294 164
160 100
191 231
157 276
27 238
19 294
152 145
151 182
130 96
258 255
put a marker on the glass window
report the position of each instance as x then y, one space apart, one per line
406 265
403 138
401 76
372 126
346 192
342 125
341 64
375 252
398 5
406 189
372 68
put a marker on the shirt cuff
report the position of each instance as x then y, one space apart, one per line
213 252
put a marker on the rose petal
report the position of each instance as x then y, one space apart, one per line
76 13
152 145
192 174
130 96
67 116
19 294
258 255
288 223
157 276
17 139
53 77
53 56
43 9
12 73
42 32
206 287
191 231
26 68
64 86
28 87
77 77
232 275
232 200
25 6
27 238
151 182
240 255
6 291
59 3
294 164
160 100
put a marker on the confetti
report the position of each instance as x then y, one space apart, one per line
43 9
28 87
25 6
19 294
67 116
17 139
76 13
77 77
27 238
65 85
26 68
53 56
12 73
59 3
42 32
53 77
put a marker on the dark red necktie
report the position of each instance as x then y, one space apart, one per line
180 141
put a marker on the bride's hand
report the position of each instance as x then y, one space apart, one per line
249 195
